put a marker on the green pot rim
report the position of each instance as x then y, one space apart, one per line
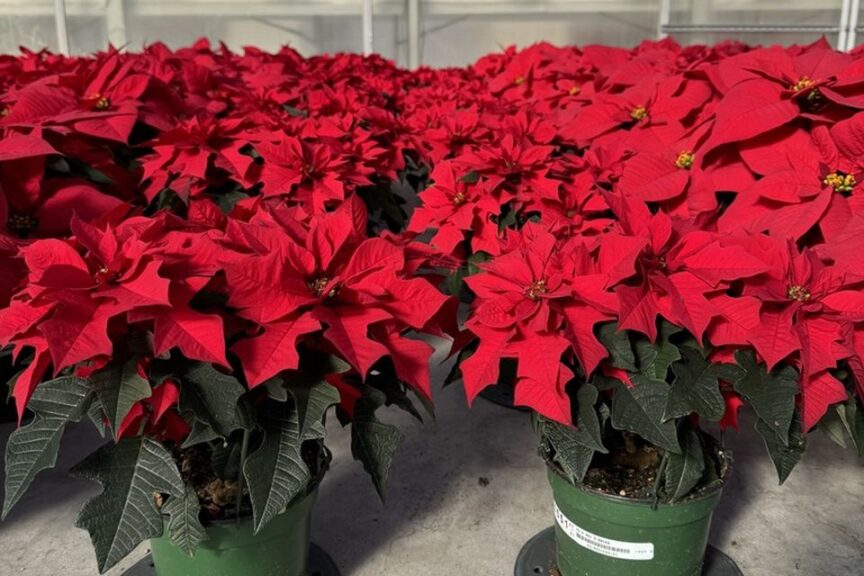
710 492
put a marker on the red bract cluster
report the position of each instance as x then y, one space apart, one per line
283 282
716 188
206 204
114 131
220 200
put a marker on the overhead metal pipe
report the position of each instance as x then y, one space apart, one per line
414 33
60 25
745 28
115 22
663 15
854 17
368 33
843 33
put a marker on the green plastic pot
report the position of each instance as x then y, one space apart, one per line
281 548
599 534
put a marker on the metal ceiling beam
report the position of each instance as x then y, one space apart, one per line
60 25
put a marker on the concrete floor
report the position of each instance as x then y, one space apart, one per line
442 519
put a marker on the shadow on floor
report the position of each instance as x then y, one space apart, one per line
754 493
437 463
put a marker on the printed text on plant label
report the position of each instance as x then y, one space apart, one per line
601 545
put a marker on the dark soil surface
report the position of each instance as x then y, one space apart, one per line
630 469
217 495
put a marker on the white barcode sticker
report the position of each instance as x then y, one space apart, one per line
601 545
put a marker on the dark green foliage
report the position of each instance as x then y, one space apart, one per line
696 387
125 513
771 394
33 448
119 386
640 410
373 442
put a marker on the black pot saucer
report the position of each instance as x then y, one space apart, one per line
537 558
320 564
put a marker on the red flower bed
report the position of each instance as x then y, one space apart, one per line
134 184
198 253
716 188
233 207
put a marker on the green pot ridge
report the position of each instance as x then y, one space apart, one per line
281 548
603 535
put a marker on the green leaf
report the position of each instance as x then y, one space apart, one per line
295 112
640 410
225 459
125 514
858 430
226 201
684 471
784 455
212 398
276 389
97 415
471 177
455 281
95 175
697 386
604 413
772 395
119 386
33 448
184 524
275 472
618 344
587 431
475 260
426 402
373 443
59 165
604 383
455 373
507 219
656 358
200 433
312 403
336 364
852 416
567 451
832 425
383 379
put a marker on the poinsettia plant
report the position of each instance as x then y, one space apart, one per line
223 347
651 238
198 259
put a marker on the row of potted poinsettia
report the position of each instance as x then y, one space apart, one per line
203 253
211 357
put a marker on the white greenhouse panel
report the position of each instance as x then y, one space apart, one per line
433 32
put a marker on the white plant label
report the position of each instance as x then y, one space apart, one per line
601 545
